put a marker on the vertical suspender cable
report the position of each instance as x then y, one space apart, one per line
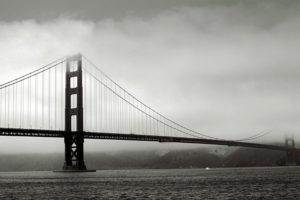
95 104
134 116
96 93
6 107
1 101
125 113
29 102
106 109
7 99
43 89
13 105
8 102
62 96
129 113
138 118
112 109
102 104
157 124
49 98
118 112
35 101
90 104
16 105
5 110
84 100
121 113
21 103
109 106
150 121
55 96
4 102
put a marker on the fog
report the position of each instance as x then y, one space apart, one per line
228 70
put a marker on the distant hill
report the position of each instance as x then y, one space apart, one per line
154 159
249 157
193 158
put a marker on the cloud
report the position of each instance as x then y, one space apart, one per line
225 70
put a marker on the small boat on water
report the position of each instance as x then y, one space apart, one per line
207 168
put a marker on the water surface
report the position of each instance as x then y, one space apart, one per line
282 183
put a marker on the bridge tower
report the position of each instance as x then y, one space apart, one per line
74 137
291 153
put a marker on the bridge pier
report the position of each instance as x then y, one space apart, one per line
291 152
74 138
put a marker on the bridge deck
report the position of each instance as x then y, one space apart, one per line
134 137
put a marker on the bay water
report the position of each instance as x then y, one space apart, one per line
282 183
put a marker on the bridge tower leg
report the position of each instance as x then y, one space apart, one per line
74 137
291 153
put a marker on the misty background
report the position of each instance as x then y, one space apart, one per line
228 69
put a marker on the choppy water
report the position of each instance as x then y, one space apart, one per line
238 183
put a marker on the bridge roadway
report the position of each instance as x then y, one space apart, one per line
134 137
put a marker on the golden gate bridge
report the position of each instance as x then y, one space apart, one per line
72 98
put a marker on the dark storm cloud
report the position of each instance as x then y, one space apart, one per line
226 69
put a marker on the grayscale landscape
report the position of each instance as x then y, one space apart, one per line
149 99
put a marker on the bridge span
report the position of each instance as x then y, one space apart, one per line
136 137
72 98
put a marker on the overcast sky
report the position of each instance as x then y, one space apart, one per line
229 69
